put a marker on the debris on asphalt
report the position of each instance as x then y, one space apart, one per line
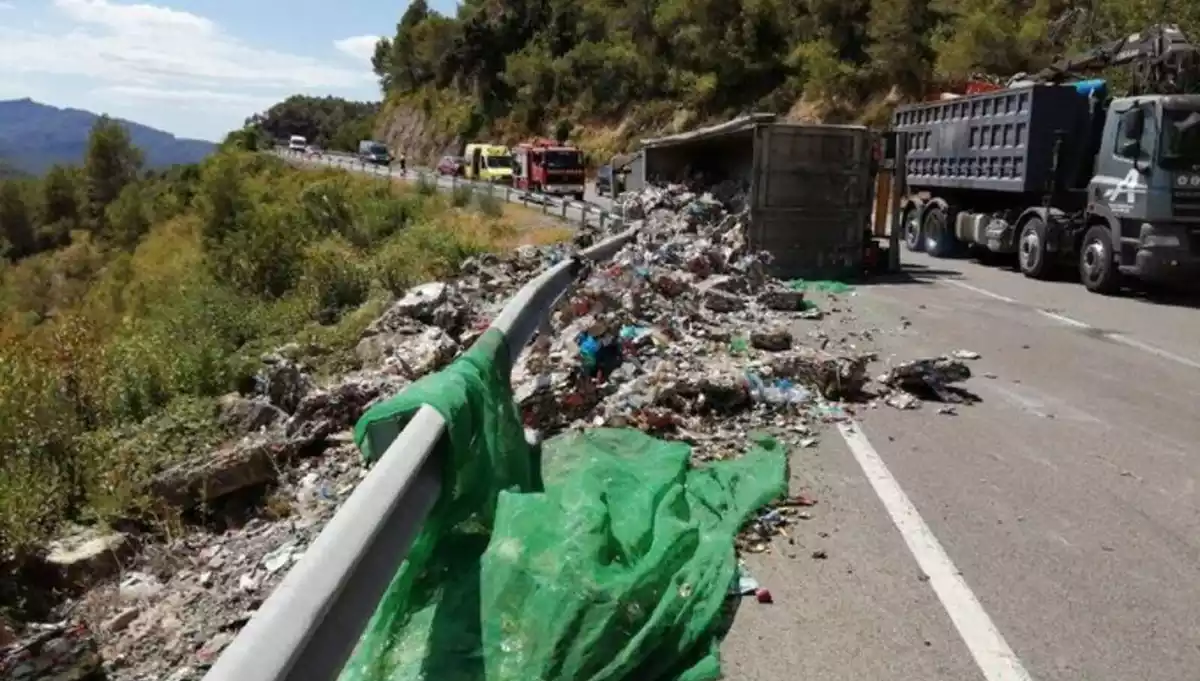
682 334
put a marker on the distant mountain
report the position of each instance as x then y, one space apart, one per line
35 136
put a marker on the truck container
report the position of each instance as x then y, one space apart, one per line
807 188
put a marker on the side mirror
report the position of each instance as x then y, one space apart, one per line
1133 122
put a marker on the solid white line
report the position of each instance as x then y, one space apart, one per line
992 654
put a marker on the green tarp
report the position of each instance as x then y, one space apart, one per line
616 570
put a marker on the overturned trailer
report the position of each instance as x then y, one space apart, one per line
808 186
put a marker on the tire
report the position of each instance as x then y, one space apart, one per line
1097 263
914 235
1032 258
940 241
579 197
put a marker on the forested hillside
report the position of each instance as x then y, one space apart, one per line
329 122
510 67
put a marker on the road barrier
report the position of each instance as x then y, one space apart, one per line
307 629
581 212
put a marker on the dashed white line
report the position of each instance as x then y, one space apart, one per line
981 291
991 652
1116 337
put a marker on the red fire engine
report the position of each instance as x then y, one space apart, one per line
546 166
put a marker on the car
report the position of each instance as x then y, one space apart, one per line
451 165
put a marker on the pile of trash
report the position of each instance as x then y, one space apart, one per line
685 335
682 335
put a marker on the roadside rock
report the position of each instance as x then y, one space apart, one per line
87 555
247 415
253 461
284 383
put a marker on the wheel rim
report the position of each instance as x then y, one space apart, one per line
1031 247
912 228
1094 260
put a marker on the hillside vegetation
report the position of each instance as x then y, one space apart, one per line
130 301
329 122
35 136
621 68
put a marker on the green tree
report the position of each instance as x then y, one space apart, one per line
111 163
899 51
126 217
16 222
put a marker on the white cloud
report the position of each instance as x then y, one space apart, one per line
152 52
6 5
359 46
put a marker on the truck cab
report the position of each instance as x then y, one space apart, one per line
1146 187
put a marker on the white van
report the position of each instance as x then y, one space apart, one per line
297 143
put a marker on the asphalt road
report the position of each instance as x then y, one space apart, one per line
1049 531
1052 529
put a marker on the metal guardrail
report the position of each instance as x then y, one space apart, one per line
582 212
308 627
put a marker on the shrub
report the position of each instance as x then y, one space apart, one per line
426 186
335 278
490 205
461 195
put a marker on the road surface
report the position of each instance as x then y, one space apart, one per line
1050 531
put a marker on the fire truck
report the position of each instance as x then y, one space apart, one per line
548 167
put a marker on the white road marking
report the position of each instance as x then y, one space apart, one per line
1063 319
981 291
1127 341
992 654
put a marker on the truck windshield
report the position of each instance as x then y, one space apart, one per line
498 161
379 150
1180 138
563 160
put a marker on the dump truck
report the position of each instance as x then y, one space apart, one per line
487 162
549 167
1061 172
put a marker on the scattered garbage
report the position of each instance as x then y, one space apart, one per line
682 336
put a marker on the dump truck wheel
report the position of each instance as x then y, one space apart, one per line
1031 249
1097 267
939 239
914 237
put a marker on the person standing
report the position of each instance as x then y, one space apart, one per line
403 163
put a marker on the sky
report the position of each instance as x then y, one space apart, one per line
195 68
